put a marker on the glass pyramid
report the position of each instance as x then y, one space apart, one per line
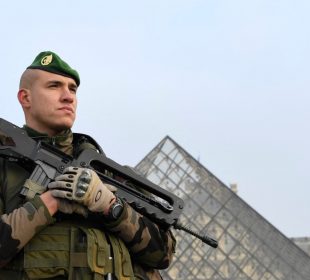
249 246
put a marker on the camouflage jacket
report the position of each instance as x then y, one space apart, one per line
26 225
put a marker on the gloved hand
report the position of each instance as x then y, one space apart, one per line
69 207
83 185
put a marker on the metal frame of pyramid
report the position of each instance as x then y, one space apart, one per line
249 246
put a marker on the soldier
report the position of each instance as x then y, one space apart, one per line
78 228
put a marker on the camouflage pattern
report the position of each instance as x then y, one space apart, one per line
19 223
26 227
143 238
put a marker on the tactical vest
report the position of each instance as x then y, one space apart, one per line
72 248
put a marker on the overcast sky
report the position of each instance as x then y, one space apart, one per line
227 80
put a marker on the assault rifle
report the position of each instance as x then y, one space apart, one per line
47 162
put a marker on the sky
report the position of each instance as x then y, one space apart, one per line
227 80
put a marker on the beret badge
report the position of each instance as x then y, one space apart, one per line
46 60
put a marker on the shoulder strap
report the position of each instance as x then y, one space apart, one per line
83 141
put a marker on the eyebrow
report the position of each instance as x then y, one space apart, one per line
71 85
54 82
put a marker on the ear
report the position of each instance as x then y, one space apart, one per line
24 97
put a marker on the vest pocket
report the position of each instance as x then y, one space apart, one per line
74 252
47 254
98 252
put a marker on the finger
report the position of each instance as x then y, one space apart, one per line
62 194
82 186
65 177
60 185
65 206
81 189
71 170
85 176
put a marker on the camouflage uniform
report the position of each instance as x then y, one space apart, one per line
34 245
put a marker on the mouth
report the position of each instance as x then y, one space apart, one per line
67 109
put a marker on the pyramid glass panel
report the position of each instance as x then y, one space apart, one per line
250 248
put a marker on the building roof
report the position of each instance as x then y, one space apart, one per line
249 246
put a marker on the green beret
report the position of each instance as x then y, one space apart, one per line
51 62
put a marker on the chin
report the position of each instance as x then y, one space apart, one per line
64 125
68 122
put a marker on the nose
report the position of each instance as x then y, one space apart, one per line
67 95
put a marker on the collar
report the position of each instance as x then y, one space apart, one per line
62 141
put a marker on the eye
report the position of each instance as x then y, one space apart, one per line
73 90
53 85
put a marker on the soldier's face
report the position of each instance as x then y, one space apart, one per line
52 103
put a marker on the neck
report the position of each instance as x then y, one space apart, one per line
44 130
32 132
